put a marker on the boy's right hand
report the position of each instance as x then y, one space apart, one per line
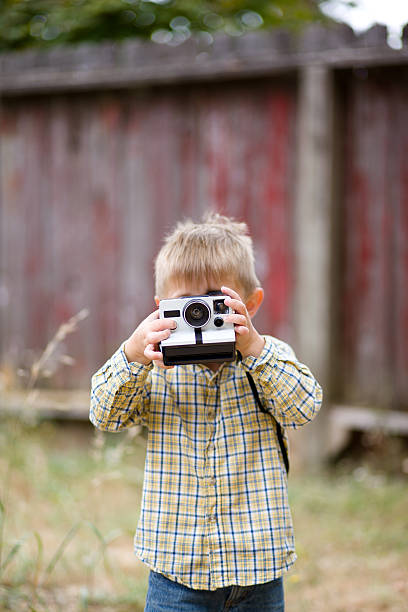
142 346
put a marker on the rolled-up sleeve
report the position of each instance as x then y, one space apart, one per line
287 387
120 393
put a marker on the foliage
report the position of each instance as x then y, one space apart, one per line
41 23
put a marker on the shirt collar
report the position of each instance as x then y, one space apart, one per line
225 371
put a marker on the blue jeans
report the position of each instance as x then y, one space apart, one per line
164 595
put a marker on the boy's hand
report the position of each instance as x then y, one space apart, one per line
248 341
142 346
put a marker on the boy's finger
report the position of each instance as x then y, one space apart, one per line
237 319
241 330
153 315
231 293
164 367
156 337
236 305
156 356
161 324
151 353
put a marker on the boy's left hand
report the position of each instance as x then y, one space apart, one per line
248 341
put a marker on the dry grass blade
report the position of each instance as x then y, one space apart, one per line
61 548
38 563
12 553
63 331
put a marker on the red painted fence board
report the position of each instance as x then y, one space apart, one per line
375 285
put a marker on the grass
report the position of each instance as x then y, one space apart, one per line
70 502
71 505
352 541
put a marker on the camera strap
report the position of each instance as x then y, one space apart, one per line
279 430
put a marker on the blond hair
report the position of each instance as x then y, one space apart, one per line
218 248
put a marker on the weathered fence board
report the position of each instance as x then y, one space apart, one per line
375 308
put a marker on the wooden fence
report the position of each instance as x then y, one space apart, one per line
374 317
103 148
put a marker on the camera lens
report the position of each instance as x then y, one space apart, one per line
196 313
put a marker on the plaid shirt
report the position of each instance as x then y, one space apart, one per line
215 509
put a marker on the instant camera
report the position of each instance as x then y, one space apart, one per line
202 334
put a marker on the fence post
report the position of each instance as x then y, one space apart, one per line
314 207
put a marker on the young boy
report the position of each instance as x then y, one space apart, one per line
215 525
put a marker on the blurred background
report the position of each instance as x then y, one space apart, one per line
117 119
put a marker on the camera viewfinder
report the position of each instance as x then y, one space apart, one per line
220 307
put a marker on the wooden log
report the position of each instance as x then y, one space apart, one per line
358 418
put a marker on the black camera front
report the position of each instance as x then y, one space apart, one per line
196 313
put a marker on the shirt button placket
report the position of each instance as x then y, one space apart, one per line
210 473
210 477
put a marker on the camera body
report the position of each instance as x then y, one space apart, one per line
201 334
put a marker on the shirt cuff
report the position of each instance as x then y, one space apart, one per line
268 356
124 370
